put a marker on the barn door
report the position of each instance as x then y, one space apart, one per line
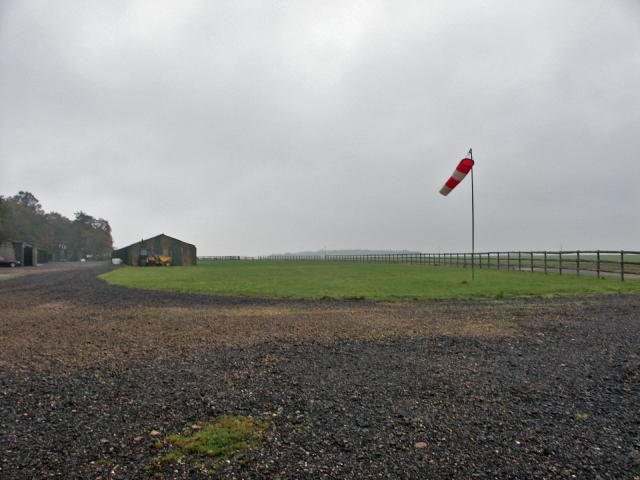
176 255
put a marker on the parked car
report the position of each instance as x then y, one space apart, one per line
9 263
8 255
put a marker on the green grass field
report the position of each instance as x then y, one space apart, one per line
315 280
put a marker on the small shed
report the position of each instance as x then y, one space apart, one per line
27 254
181 253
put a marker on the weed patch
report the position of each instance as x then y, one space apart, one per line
225 439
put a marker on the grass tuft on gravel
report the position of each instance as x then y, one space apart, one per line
204 448
222 438
332 280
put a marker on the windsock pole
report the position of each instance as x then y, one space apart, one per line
458 175
473 226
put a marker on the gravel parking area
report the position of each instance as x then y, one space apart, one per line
94 377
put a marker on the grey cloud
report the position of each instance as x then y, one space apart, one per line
251 128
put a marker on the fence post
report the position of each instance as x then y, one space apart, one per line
622 265
560 262
531 257
598 263
577 263
545 262
519 261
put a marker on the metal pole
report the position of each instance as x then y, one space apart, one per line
473 224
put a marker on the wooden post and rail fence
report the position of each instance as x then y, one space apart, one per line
622 264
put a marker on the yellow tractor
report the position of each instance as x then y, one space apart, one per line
147 259
159 261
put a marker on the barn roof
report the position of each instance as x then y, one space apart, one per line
153 238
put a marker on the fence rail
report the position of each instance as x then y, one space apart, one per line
227 258
601 263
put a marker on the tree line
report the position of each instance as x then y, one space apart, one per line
23 218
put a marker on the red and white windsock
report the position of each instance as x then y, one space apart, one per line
464 167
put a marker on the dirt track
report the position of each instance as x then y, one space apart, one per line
521 389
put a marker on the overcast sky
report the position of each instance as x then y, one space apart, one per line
262 127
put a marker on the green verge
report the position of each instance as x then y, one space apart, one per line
316 280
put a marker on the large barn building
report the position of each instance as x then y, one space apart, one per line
181 253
